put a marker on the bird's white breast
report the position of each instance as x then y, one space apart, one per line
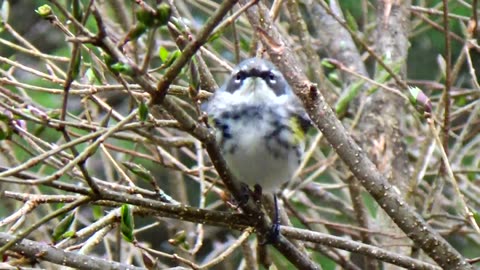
258 146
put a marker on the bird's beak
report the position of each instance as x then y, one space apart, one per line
251 84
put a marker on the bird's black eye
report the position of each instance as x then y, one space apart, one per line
271 77
239 77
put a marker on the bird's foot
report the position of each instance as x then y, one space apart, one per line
245 190
273 234
257 194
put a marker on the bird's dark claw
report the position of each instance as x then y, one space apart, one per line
257 194
245 196
273 234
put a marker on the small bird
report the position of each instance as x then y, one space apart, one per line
260 125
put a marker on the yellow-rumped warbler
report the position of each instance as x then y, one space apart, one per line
260 124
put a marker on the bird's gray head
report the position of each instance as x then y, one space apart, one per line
254 82
257 77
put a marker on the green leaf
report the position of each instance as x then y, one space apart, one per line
194 79
244 44
93 76
68 234
382 76
476 216
97 68
97 211
178 24
4 118
172 57
179 239
333 77
5 128
127 224
143 111
351 22
109 60
326 63
54 114
140 171
215 36
163 53
3 134
122 68
76 65
461 101
347 96
90 75
77 10
137 31
63 226
442 63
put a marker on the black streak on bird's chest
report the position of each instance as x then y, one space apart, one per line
275 128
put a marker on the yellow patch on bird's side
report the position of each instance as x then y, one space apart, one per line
298 134
211 121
